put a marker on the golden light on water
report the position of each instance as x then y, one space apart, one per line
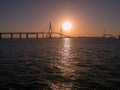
65 66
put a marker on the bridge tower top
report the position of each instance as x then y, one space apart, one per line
50 27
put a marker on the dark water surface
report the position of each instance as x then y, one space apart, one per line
60 64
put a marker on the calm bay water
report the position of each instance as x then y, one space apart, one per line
60 64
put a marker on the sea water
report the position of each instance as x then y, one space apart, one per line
60 64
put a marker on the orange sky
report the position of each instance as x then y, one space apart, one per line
88 17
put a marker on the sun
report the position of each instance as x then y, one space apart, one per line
67 26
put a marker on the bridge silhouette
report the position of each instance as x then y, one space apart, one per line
48 34
107 35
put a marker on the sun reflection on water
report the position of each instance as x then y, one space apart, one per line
66 49
66 65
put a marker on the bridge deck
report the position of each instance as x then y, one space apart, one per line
36 33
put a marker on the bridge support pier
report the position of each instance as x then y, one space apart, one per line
26 35
50 35
42 35
11 35
20 35
0 36
36 35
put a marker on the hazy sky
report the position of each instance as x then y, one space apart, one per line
89 17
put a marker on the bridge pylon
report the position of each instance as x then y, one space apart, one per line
50 30
106 35
61 32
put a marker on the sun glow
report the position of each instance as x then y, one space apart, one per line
67 26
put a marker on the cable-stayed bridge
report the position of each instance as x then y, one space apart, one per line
48 34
